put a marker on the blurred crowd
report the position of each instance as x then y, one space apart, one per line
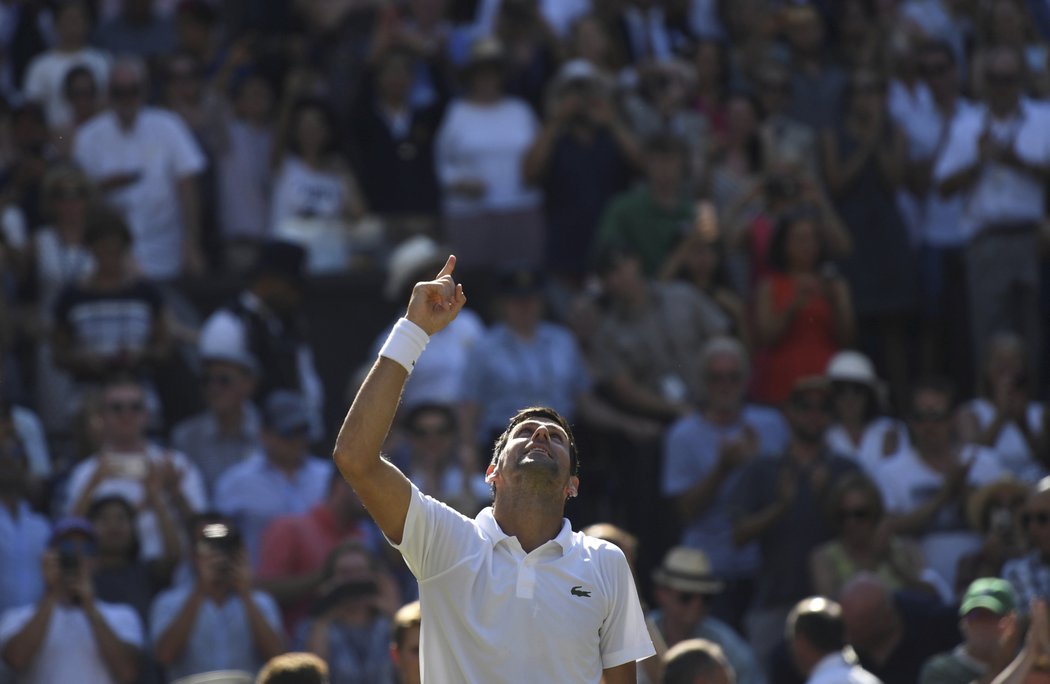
781 263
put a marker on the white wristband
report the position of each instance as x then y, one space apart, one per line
405 343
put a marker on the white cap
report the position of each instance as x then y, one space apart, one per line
406 259
223 339
852 366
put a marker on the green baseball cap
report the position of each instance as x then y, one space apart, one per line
991 593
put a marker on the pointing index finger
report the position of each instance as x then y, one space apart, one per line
447 269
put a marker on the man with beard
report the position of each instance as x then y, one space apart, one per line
513 595
778 502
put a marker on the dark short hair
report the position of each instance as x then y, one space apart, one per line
294 668
691 658
101 223
934 385
854 482
539 412
103 502
819 621
419 410
778 245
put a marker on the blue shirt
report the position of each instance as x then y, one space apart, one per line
508 373
23 538
255 492
691 452
221 637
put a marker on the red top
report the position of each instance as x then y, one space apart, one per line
805 348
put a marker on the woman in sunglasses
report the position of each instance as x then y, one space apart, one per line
863 543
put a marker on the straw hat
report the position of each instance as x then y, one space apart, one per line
688 570
1005 486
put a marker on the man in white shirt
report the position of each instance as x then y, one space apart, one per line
145 162
997 158
513 595
69 636
816 633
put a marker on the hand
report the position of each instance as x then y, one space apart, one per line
241 573
955 479
1037 641
566 109
51 572
988 147
807 286
80 587
435 303
787 487
474 188
601 111
737 451
891 443
192 258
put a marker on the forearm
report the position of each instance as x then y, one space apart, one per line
189 209
754 526
367 423
1017 671
698 498
267 641
169 535
173 641
121 659
840 176
534 166
959 181
22 648
917 521
773 325
317 639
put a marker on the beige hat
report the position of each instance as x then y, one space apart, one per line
407 259
1006 486
687 570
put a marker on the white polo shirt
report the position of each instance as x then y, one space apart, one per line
494 614
837 669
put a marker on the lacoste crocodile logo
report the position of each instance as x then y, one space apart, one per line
578 591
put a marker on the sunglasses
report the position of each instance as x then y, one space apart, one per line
125 406
685 598
856 514
73 547
431 432
844 387
219 379
1041 518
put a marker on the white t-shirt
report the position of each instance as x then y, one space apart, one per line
47 71
487 143
869 453
907 482
1001 194
132 489
1011 447
163 151
58 264
562 613
69 652
836 669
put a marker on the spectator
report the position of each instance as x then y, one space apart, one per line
1005 418
349 628
69 635
649 220
82 95
218 622
489 211
530 47
295 548
893 636
45 76
315 195
803 310
777 502
227 433
294 668
144 161
738 158
995 160
393 141
404 643
863 159
1030 663
138 28
127 461
790 146
120 574
1030 574
925 487
710 59
705 452
439 378
817 634
817 83
863 543
987 616
581 158
857 398
644 353
266 320
994 511
20 425
697 661
244 173
683 586
282 478
23 532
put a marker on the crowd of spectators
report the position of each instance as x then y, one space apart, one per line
781 263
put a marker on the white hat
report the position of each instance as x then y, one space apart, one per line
410 256
688 570
223 339
852 366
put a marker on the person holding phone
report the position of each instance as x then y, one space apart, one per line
527 598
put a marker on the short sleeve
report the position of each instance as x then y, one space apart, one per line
623 636
268 607
164 609
187 158
959 151
436 536
13 620
125 623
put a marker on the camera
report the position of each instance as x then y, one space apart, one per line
221 538
68 561
782 186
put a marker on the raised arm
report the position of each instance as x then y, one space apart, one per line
382 488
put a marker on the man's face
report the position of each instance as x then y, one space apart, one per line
664 169
725 382
682 607
537 450
983 630
287 451
931 421
226 385
432 436
406 656
126 93
124 414
523 311
808 414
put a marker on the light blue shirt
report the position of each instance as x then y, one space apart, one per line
23 538
738 653
691 452
221 637
507 373
255 492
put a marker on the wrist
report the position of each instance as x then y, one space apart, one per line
405 343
